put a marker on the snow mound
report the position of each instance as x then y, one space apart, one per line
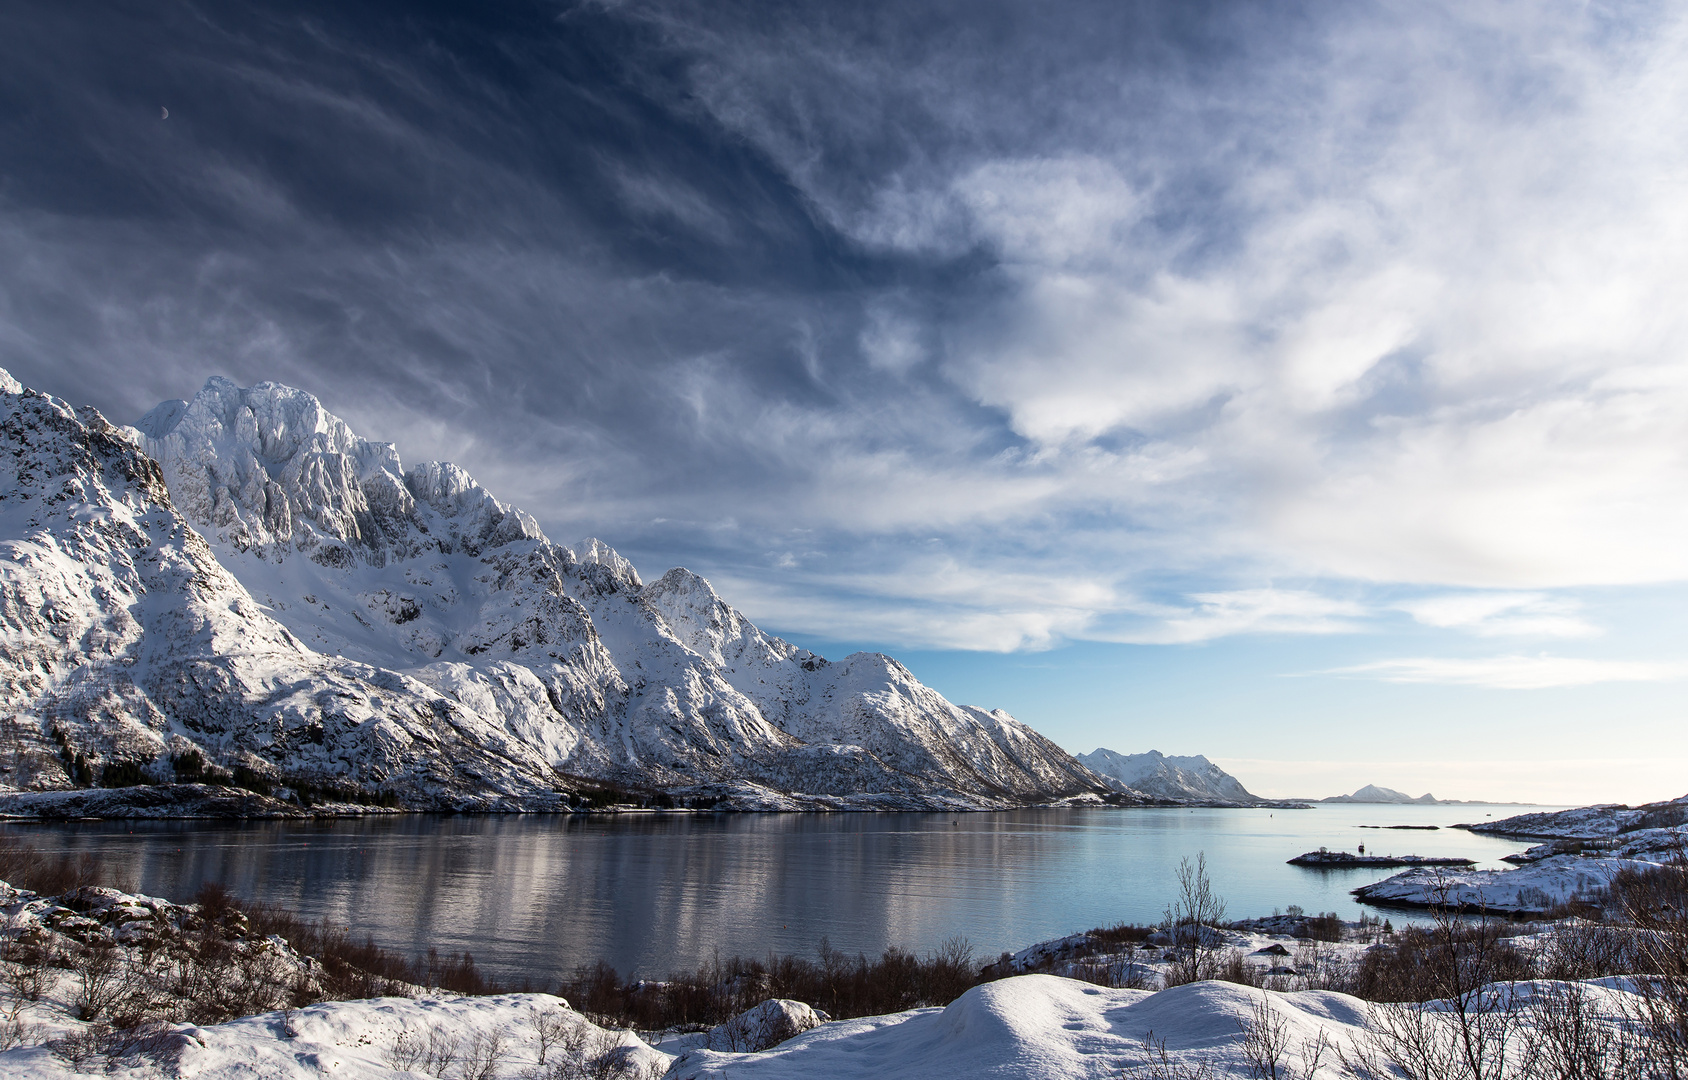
1037 1027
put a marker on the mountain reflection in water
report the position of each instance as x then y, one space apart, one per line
533 896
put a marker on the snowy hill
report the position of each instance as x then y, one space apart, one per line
1604 822
1158 776
348 623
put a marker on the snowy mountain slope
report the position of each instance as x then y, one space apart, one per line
1162 777
123 643
520 662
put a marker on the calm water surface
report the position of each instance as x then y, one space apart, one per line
533 896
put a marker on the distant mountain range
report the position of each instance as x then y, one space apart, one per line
1192 779
1372 793
240 589
1375 795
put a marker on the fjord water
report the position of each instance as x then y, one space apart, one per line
533 896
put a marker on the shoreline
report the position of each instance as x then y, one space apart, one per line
204 802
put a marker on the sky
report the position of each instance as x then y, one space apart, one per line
1301 385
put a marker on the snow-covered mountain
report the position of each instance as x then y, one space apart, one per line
1371 793
347 622
1161 777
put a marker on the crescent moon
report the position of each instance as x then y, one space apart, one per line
165 111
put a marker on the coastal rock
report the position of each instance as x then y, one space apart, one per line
1332 859
1531 890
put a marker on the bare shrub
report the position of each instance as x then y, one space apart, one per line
404 1053
439 1052
152 1042
25 969
101 971
1266 1047
1327 926
1426 963
1574 1041
1655 902
98 1045
14 1032
1320 967
1193 920
1157 1064
607 1056
1234 968
484 1054
79 1048
1581 949
551 1027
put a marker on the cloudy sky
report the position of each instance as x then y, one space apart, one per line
1304 385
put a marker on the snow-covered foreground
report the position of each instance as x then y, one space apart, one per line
1039 1026
1030 1026
381 1037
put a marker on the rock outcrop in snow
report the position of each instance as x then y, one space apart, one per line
350 623
1158 776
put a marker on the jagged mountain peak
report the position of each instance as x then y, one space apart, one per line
268 470
597 553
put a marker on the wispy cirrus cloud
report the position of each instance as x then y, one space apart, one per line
1503 614
1246 611
1513 672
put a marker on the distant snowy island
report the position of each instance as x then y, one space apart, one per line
1376 795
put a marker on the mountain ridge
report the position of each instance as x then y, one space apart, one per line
504 668
1159 776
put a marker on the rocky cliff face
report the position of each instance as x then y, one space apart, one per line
346 622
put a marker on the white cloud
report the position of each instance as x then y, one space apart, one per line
1501 614
891 342
938 604
1394 298
1249 611
1514 672
1051 212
